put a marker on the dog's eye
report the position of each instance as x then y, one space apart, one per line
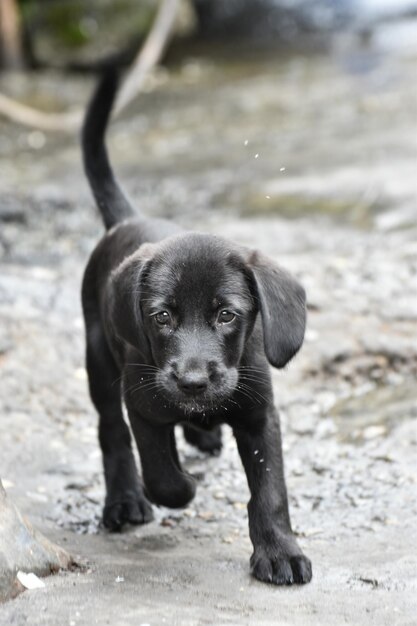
162 318
225 317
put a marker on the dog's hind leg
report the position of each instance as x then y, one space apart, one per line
125 500
205 440
165 481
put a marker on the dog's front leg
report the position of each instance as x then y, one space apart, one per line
165 481
276 558
125 500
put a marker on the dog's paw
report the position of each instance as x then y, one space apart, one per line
174 495
281 569
205 440
128 509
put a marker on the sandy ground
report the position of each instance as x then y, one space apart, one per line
347 403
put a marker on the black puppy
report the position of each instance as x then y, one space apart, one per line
184 324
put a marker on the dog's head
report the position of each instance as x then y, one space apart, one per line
188 305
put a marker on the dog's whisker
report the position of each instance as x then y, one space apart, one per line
248 372
249 391
144 384
255 384
244 392
123 376
148 387
144 372
155 367
255 391
252 378
144 367
252 385
117 380
251 367
233 402
141 383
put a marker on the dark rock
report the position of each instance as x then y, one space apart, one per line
23 548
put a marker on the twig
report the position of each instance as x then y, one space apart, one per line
27 116
149 55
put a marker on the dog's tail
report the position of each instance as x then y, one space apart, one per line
112 202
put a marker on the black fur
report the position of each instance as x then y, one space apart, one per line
182 326
110 199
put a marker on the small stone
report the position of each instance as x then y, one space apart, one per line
297 471
372 432
30 580
311 532
206 515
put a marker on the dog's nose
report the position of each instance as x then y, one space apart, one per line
193 383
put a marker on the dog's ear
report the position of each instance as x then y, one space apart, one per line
126 289
282 303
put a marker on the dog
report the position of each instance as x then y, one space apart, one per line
183 326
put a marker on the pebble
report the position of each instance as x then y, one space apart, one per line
372 432
206 515
29 580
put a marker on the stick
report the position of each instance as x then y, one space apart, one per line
27 116
149 55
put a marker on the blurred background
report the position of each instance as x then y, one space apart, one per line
315 86
290 126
